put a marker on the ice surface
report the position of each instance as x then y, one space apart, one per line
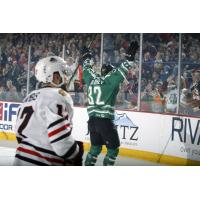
7 153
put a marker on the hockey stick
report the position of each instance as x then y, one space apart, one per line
165 147
74 73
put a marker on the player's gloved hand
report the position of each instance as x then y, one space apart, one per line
131 51
86 57
86 53
78 159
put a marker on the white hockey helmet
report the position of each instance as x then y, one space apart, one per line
46 67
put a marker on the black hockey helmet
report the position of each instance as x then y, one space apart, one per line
106 68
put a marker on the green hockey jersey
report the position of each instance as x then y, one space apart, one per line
102 91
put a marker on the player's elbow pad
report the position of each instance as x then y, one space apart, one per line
72 152
65 148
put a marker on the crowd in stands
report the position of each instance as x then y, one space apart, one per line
159 66
14 50
160 74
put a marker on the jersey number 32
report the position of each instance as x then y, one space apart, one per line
95 92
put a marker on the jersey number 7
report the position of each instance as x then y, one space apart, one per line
27 111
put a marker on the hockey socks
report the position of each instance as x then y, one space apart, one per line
92 155
110 157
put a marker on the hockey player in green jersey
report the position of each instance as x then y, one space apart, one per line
102 92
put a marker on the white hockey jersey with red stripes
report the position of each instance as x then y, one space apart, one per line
43 127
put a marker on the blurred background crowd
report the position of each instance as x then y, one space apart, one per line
159 80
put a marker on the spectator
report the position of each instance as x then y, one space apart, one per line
196 92
160 55
11 92
4 77
171 97
23 93
159 99
2 93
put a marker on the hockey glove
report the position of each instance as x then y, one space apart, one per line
131 51
86 54
86 58
78 159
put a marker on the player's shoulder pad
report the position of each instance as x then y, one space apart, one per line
66 96
63 92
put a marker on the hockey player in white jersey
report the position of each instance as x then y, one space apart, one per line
44 121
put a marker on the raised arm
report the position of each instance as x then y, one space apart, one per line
120 73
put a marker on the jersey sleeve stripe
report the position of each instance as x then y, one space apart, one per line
34 153
39 148
104 107
58 130
126 64
57 122
91 73
122 73
124 68
71 151
61 137
35 162
21 135
99 111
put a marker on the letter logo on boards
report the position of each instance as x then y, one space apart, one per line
1 111
126 128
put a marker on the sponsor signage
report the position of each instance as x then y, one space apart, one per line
157 133
163 134
8 114
185 137
127 129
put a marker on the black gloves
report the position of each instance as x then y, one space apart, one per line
78 159
85 54
131 51
106 68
